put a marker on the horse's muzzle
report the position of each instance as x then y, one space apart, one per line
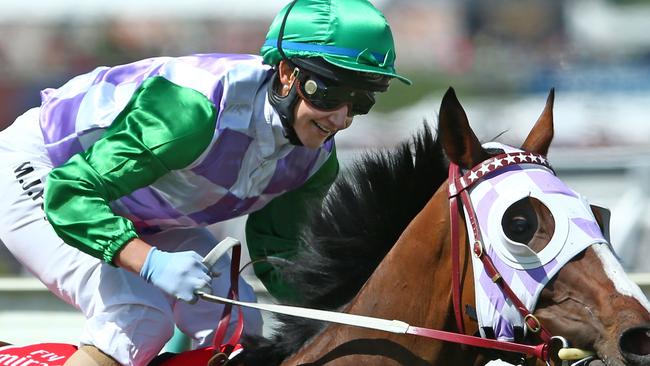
635 345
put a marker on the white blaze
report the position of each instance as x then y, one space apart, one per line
616 274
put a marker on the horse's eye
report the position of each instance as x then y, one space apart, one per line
518 225
520 222
519 228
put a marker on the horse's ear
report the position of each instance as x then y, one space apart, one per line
457 138
540 137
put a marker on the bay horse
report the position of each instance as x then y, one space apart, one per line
382 246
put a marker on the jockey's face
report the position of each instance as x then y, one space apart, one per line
314 126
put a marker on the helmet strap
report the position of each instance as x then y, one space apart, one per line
285 106
281 33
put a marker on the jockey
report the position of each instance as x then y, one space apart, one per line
109 185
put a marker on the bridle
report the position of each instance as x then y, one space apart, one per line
459 201
458 191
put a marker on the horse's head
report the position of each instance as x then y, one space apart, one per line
547 244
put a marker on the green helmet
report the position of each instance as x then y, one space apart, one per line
350 34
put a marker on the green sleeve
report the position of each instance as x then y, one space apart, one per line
163 127
273 231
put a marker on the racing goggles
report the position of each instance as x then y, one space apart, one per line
328 96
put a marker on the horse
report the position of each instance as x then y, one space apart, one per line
382 243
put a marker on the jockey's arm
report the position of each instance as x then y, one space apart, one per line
273 231
145 142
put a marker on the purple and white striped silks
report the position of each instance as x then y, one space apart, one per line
247 163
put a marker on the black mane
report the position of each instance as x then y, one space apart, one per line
364 213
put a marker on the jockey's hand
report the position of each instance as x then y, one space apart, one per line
179 274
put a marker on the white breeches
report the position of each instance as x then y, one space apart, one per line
126 317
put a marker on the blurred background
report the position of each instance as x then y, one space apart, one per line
501 56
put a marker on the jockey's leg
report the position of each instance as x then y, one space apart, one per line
126 318
90 356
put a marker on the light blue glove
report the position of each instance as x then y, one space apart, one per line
179 274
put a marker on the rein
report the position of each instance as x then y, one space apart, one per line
540 351
553 348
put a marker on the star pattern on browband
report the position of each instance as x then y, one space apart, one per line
501 161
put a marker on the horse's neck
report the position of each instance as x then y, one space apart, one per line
412 284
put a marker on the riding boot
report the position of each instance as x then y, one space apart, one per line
90 356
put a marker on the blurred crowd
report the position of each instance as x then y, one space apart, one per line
36 56
483 45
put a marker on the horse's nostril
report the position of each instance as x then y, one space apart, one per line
635 343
